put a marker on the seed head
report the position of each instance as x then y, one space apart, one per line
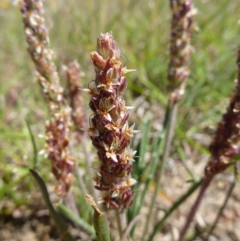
58 128
109 130
182 28
226 142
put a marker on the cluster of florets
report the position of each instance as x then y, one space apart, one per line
58 128
180 46
109 129
56 150
226 143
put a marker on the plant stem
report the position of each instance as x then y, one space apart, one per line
224 204
158 147
176 204
170 133
129 227
207 180
169 136
81 183
70 202
120 223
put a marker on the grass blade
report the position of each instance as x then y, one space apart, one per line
57 219
77 220
139 165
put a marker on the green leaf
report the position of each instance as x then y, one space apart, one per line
57 219
77 220
140 163
100 222
101 226
157 150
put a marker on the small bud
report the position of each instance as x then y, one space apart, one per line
107 47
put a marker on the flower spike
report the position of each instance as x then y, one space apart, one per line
109 129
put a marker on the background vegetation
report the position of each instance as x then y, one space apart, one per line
141 29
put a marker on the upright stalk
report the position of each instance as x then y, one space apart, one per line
182 28
228 195
120 224
58 128
225 146
169 135
176 204
194 208
109 130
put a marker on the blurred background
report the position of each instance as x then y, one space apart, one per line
141 29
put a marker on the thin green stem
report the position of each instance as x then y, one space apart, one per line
120 223
176 204
205 185
169 136
81 184
129 227
70 202
150 170
150 175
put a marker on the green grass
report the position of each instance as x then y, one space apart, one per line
141 29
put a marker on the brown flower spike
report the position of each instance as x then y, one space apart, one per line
226 143
182 28
58 128
109 130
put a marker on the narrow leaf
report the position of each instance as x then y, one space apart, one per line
140 164
57 219
100 222
77 220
